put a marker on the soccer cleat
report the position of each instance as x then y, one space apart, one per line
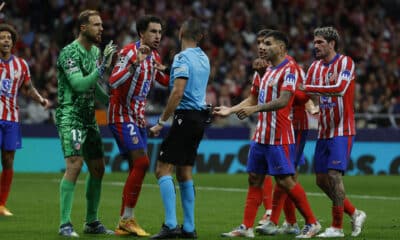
167 233
5 212
309 230
121 232
131 226
269 228
331 232
67 230
357 222
264 219
240 231
190 235
288 228
96 227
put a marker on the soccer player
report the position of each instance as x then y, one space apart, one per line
78 72
15 76
130 82
260 65
301 104
189 76
272 150
332 77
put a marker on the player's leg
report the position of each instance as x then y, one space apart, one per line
257 169
71 142
7 159
336 164
267 199
132 143
284 156
290 225
94 157
10 140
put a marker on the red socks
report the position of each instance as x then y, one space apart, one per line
5 185
298 196
337 216
277 203
290 211
267 192
133 183
348 207
253 201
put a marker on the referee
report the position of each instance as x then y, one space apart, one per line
189 76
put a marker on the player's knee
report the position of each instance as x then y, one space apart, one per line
7 159
255 180
142 163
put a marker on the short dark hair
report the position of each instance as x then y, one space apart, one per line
263 32
143 23
4 27
329 34
84 16
280 36
193 30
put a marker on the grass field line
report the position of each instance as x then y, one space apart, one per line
244 190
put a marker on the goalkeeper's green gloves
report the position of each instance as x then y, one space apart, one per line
108 53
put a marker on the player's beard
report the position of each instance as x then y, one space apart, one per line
92 38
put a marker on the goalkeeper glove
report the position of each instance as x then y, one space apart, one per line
108 53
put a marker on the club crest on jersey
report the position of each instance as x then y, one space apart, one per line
6 87
77 146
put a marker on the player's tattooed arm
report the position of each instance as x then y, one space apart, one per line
30 91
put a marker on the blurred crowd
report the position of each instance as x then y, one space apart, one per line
370 32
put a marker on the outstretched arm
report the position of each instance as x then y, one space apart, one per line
30 91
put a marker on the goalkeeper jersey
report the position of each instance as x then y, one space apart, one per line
77 76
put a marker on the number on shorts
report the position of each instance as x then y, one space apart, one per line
131 129
76 135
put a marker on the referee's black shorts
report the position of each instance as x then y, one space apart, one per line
180 145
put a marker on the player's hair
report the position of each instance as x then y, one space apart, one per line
84 16
143 23
279 36
4 27
329 34
192 29
263 32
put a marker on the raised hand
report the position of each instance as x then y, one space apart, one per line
142 52
108 53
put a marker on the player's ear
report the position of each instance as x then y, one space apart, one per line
82 27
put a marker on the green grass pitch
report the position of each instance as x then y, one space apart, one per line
219 205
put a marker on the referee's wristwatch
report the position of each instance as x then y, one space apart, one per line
161 122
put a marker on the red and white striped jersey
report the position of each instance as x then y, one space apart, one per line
275 127
300 118
129 90
14 73
334 82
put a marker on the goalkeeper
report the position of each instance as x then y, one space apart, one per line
78 71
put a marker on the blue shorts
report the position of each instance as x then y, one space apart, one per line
332 153
301 137
271 159
10 135
129 137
